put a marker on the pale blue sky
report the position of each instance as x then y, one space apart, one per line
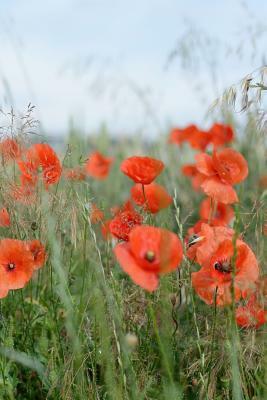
95 60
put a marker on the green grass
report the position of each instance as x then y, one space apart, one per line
81 329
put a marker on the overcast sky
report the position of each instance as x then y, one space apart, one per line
106 60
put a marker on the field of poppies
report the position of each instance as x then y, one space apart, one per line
134 270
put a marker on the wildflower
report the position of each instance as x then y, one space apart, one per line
222 213
38 252
196 177
179 136
217 270
152 197
4 218
24 194
199 140
254 313
123 222
40 156
98 166
142 169
10 149
197 234
221 171
149 253
221 134
74 174
16 265
96 215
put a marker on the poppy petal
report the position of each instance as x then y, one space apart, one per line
146 279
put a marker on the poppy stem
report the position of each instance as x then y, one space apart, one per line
213 333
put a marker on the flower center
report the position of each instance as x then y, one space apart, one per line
11 266
150 256
223 266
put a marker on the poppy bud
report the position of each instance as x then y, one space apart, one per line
34 226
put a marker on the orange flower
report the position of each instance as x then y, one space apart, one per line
38 252
179 136
230 166
221 171
10 149
96 215
16 265
199 140
98 166
40 155
196 236
4 218
223 213
221 134
150 252
254 313
24 194
74 174
209 238
123 222
142 169
215 256
192 172
152 197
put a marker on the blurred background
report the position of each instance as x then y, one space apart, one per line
139 66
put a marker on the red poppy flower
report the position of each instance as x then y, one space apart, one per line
98 166
49 162
74 174
96 215
208 238
199 234
4 218
142 169
38 252
16 264
149 253
221 134
216 273
223 213
123 222
43 156
24 194
230 166
155 198
192 172
179 136
10 149
253 314
127 206
221 171
199 140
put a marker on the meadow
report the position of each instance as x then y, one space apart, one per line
92 309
